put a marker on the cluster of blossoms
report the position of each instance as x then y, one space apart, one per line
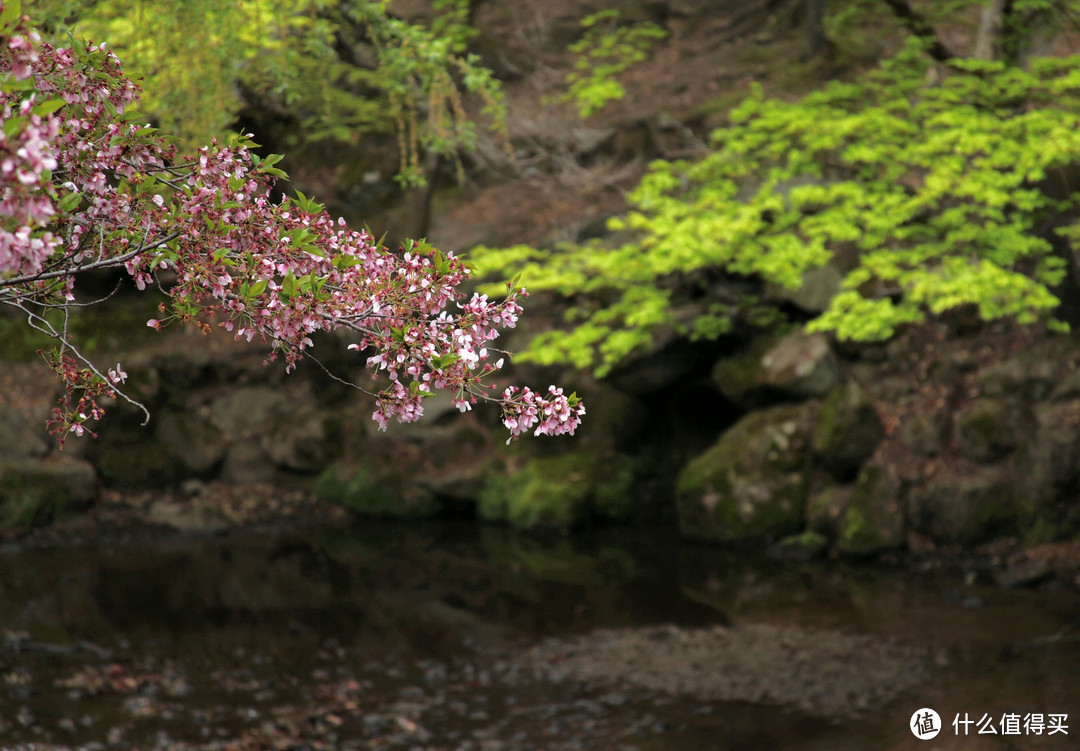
85 186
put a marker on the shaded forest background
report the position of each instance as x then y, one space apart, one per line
811 263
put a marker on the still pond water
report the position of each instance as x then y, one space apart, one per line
406 636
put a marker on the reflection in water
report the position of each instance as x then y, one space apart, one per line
412 635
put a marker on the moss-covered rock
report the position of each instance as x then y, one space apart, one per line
35 492
198 443
752 483
801 547
22 435
989 429
802 365
125 458
826 509
739 377
1046 475
559 492
848 431
1031 375
968 506
874 519
367 491
923 433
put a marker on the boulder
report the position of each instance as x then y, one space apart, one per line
848 431
246 412
199 445
801 547
818 287
21 435
124 457
246 462
989 429
371 488
801 365
1030 375
752 483
964 504
874 518
304 439
1046 474
922 433
668 360
826 509
557 493
740 379
454 460
35 492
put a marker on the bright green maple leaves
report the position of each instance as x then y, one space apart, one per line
920 185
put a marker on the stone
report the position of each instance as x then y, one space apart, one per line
847 433
1068 388
923 433
35 492
826 509
246 462
199 445
369 489
21 435
668 360
302 439
818 287
965 505
246 412
752 484
558 493
874 519
801 547
124 457
740 378
1026 574
802 365
1026 377
989 429
186 517
1046 473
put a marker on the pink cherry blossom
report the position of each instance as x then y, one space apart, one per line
82 188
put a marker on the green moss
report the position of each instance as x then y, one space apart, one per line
116 325
136 463
359 489
739 376
752 483
27 508
33 499
803 546
559 492
858 536
848 430
1040 531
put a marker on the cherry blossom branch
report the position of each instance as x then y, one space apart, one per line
84 187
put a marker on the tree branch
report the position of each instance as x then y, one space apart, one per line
104 263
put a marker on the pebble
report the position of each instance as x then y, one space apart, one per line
1026 574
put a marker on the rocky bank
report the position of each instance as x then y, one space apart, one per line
948 437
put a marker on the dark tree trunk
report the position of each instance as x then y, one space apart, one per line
817 42
419 223
991 26
1059 185
920 27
